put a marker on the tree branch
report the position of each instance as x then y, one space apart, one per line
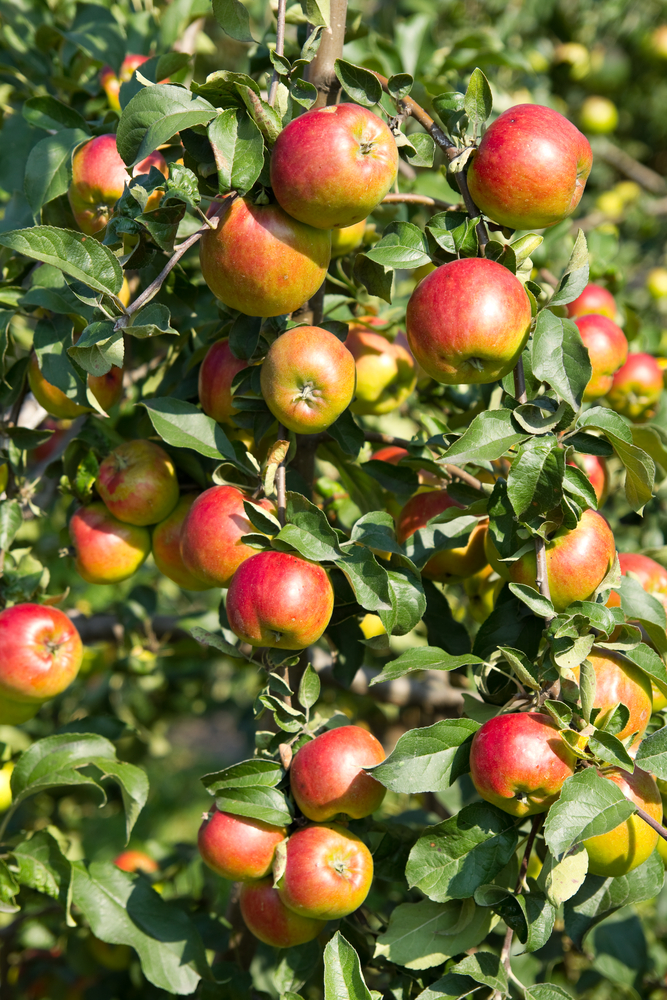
415 199
280 481
626 164
658 827
542 578
321 72
520 382
410 107
518 889
280 48
453 471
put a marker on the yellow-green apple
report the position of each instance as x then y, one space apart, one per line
632 842
211 546
332 166
137 482
261 261
279 600
598 114
328 872
266 916
327 776
236 847
41 656
344 241
6 796
98 179
111 83
596 470
656 282
371 625
468 321
658 41
133 860
216 374
308 378
519 762
593 299
617 679
107 390
578 559
167 547
452 564
607 350
386 372
530 169
636 387
107 550
482 589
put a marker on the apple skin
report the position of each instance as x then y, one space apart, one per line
650 574
107 550
530 169
598 115
98 179
279 600
108 388
593 299
41 656
326 775
50 397
136 861
619 680
238 848
167 547
598 474
607 350
656 282
111 83
137 482
332 166
344 241
468 309
266 916
630 843
210 537
452 564
308 378
636 387
216 374
519 762
386 372
261 261
578 560
328 872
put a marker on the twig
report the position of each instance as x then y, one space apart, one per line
626 164
518 889
658 827
280 481
472 210
280 48
321 71
453 471
410 107
415 199
520 382
542 578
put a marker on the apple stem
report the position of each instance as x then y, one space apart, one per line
658 827
280 48
542 578
280 482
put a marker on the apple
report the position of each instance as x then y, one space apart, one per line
344 241
596 470
451 564
607 350
482 589
658 41
216 374
107 550
327 776
632 842
167 547
98 179
6 797
599 115
618 679
308 379
530 169
266 916
279 600
649 573
519 762
41 656
136 861
107 390
137 482
263 262
656 282
593 299
468 321
332 166
211 546
371 625
111 83
328 872
636 387
386 372
236 847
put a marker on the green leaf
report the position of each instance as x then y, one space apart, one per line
652 753
151 321
318 13
52 115
377 531
258 802
578 485
560 880
589 805
50 340
422 658
559 357
547 991
156 114
429 759
253 773
424 148
238 148
403 245
399 85
360 84
267 120
48 172
343 978
308 531
425 934
182 425
8 890
575 275
376 279
309 688
368 579
99 348
534 480
611 751
478 102
587 686
538 604
233 18
488 437
80 256
97 33
483 967
639 467
218 642
43 867
11 520
640 606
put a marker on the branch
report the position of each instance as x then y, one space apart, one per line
280 482
518 889
410 107
453 471
280 48
520 382
415 199
542 578
626 164
659 829
321 71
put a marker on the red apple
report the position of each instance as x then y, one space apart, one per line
649 573
332 166
468 321
211 548
261 261
327 776
108 388
308 379
392 454
167 547
607 350
107 550
593 299
519 762
111 83
266 916
47 448
138 483
344 241
328 872
236 847
452 564
636 387
597 472
216 374
617 679
386 372
530 169
98 179
279 600
136 861
632 842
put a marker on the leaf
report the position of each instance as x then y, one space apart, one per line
97 33
49 342
483 967
610 750
399 85
403 245
156 114
428 759
8 890
48 113
343 979
42 866
218 642
48 171
589 805
560 880
376 530
82 257
640 468
309 687
547 991
368 579
258 802
575 275
308 531
424 149
535 477
233 18
11 520
238 148
182 425
478 102
559 357
538 604
407 598
652 753
422 935
422 658
488 437
253 773
377 279
360 84
99 348
640 606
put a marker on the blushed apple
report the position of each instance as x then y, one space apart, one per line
636 387
237 847
216 375
167 547
619 680
137 482
107 550
632 842
266 916
344 241
593 299
386 372
607 350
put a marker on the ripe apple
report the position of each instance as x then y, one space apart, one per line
452 564
519 762
261 261
107 550
279 600
607 350
468 321
593 299
5 786
41 656
236 847
167 547
137 482
649 573
344 241
136 861
327 776
386 372
630 843
597 472
111 83
482 589
636 387
530 169
216 374
328 872
266 916
98 179
599 115
617 679
107 390
210 537
332 166
308 378
656 282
